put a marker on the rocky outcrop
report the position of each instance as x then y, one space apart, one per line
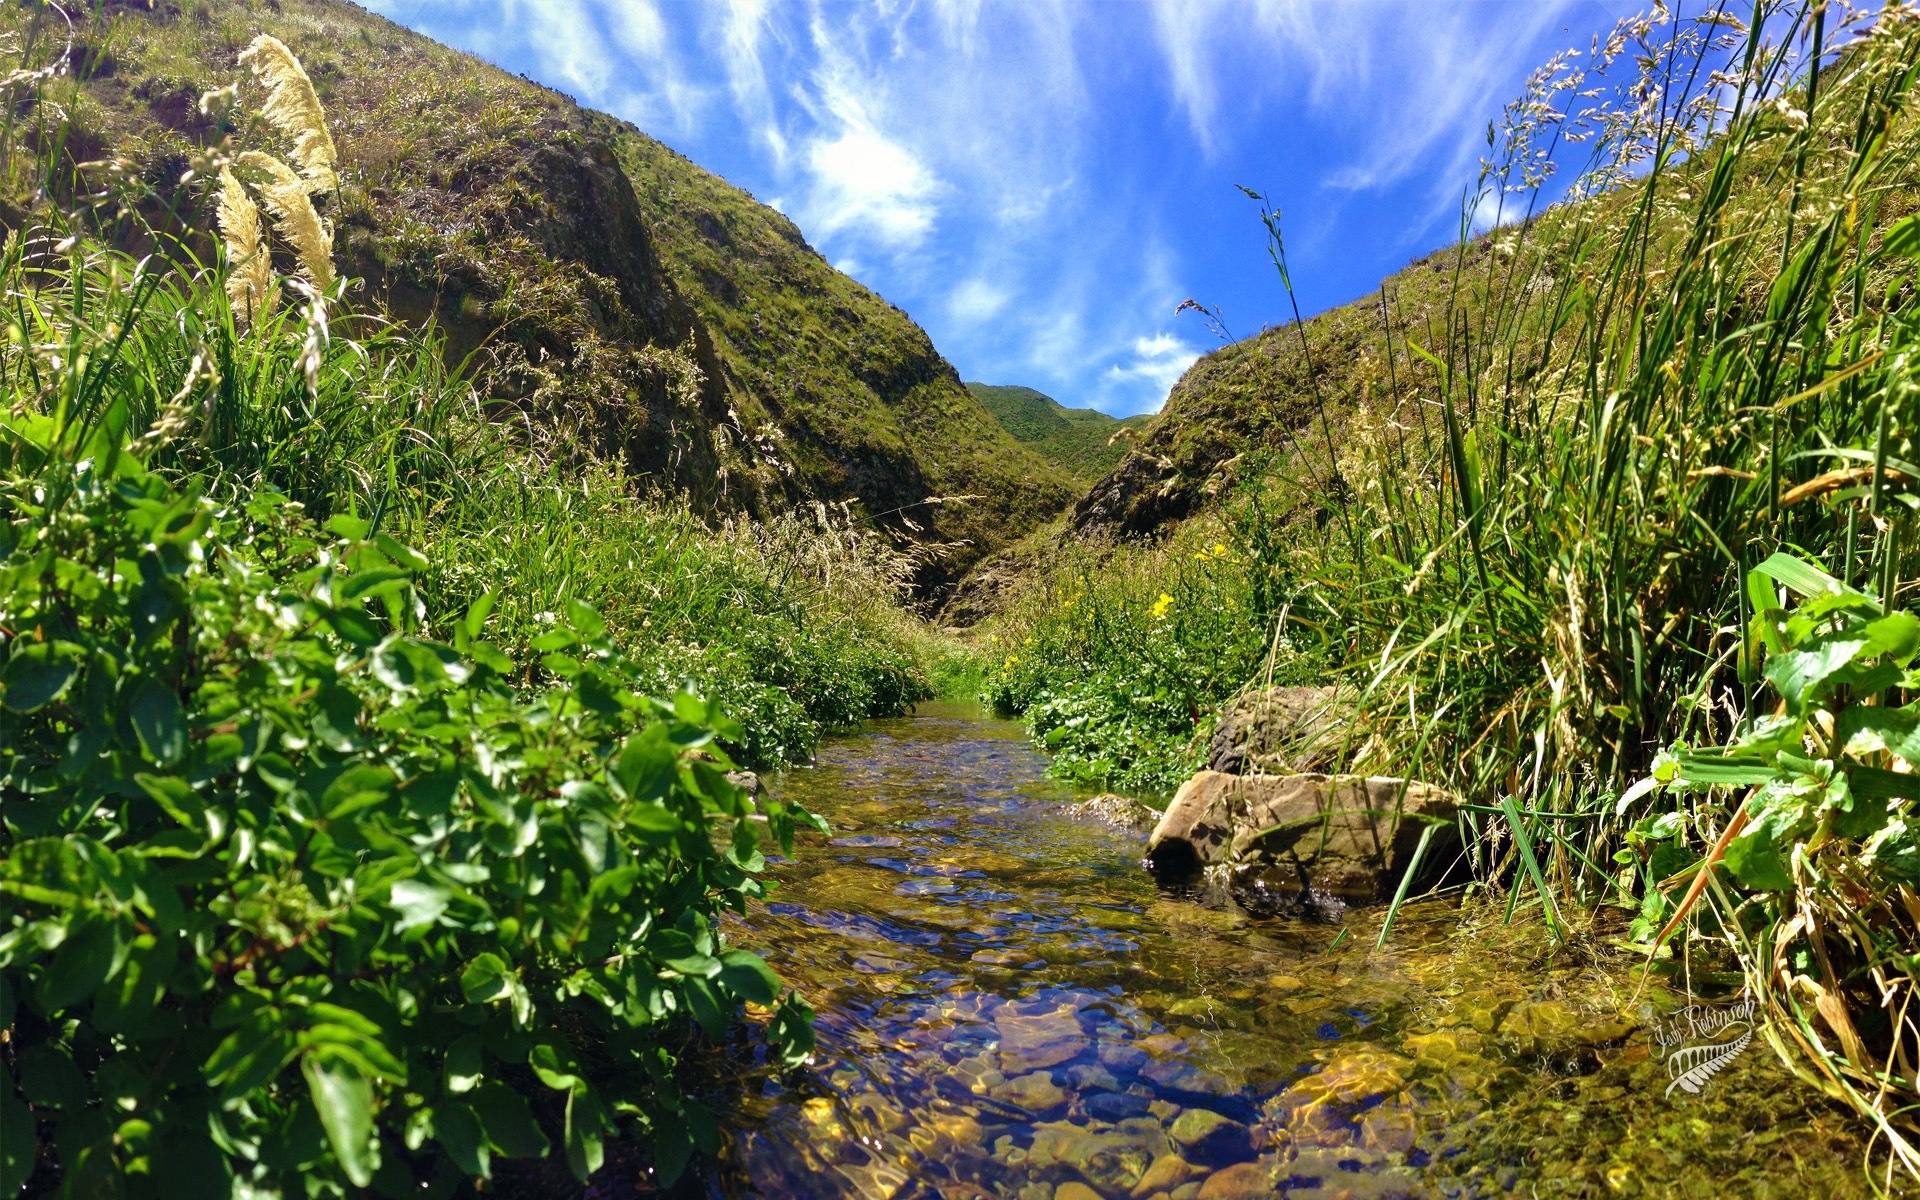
1118 812
1277 731
1314 836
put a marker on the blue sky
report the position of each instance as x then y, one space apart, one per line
1040 183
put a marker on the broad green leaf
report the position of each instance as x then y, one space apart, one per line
39 673
462 1067
1799 575
336 718
356 788
672 1148
351 528
1896 851
1864 729
81 963
351 624
175 796
485 979
1902 238
457 1129
749 977
476 619
487 655
418 903
364 585
1798 674
555 1067
1756 862
507 1120
159 721
18 1143
1897 635
49 1079
584 619
709 1007
586 1126
344 1099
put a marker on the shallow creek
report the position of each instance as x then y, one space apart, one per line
1010 1006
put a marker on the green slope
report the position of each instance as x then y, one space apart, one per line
1083 442
620 303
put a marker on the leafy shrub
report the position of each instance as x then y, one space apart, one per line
299 898
1118 663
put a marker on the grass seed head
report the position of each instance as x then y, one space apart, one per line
294 109
294 216
250 273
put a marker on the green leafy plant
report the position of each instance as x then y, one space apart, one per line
1836 760
300 898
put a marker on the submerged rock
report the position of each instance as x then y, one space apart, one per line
1209 1137
1556 1028
1167 1172
1037 1092
1243 1181
1345 836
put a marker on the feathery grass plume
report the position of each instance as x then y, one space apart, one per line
249 270
294 215
294 109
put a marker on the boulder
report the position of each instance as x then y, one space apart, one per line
1347 837
1277 731
1119 812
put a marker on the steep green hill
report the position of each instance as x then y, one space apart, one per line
619 302
1084 442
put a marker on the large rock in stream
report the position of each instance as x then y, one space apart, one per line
1346 837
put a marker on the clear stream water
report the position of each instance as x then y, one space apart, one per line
1011 1007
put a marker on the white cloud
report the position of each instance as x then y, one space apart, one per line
864 182
977 300
1411 81
1159 360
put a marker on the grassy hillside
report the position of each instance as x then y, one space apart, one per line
1264 398
620 304
1083 442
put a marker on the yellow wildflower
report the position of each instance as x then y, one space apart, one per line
1160 606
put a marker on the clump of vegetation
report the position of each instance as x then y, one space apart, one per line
1524 530
365 816
1119 661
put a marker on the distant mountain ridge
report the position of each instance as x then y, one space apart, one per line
1081 441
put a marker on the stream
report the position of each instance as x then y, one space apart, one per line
1009 1006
